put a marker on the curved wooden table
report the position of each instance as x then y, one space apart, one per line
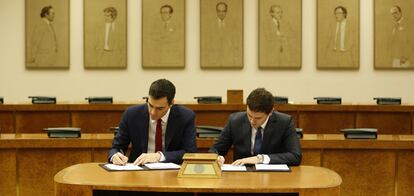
82 179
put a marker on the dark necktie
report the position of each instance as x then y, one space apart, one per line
258 142
158 136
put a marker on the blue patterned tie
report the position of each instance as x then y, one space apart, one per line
258 142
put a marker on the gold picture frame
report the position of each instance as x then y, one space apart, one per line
47 34
393 34
280 34
221 34
163 33
338 37
105 34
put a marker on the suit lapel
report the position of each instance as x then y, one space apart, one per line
169 133
246 133
268 132
145 127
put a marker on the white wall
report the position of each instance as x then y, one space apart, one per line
354 86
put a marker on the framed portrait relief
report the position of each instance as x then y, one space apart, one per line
221 34
47 34
105 34
338 34
393 34
163 33
280 34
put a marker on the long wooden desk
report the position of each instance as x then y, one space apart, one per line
367 167
82 179
314 119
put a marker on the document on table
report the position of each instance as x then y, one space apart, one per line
162 166
126 167
272 167
229 167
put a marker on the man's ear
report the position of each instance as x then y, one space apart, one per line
172 102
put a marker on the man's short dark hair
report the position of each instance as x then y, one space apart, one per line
162 88
221 3
112 10
343 10
167 6
398 8
45 11
260 100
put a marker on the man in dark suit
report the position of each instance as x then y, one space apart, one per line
158 130
259 135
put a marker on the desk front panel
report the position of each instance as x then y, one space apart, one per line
96 121
325 122
35 121
6 122
386 122
8 178
36 168
363 171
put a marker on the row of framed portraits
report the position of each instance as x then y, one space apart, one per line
221 34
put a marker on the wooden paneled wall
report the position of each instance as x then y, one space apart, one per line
314 119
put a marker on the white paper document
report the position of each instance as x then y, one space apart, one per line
128 166
272 167
162 166
229 167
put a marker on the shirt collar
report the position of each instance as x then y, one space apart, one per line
164 118
46 21
265 122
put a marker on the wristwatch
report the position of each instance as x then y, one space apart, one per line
260 157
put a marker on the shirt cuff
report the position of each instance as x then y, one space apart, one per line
266 159
162 158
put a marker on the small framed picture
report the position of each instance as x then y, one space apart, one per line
280 34
221 34
393 34
105 34
47 34
338 34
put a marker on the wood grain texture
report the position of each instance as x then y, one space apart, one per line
405 173
325 122
364 172
386 123
35 121
6 122
8 176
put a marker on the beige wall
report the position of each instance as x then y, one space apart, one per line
16 83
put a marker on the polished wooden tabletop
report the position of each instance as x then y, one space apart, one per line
301 177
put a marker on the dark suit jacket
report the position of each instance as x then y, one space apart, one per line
280 142
180 136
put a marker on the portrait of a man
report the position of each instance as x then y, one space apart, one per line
105 34
338 34
221 34
394 41
280 34
163 34
46 35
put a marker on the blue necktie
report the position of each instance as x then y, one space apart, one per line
258 142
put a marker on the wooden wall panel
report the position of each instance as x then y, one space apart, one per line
311 157
405 173
325 122
37 167
8 177
363 171
96 121
386 123
35 121
6 122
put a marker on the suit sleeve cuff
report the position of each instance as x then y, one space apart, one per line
162 158
266 159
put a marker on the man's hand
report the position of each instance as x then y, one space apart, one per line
220 160
248 160
147 158
119 159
